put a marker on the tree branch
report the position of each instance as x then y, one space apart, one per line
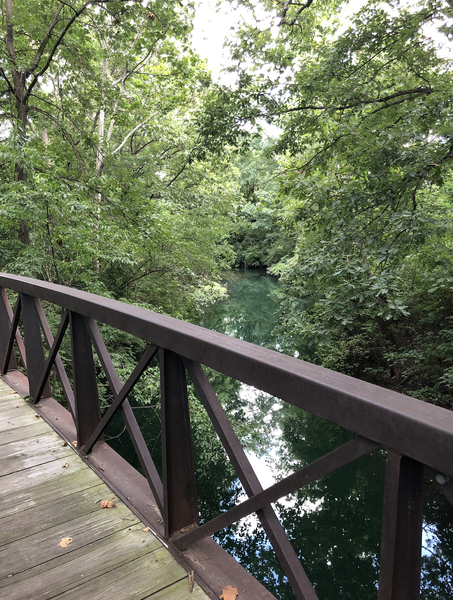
46 38
55 47
58 123
8 82
414 93
132 133
286 6
10 31
181 170
137 150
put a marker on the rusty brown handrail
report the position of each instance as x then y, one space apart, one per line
414 433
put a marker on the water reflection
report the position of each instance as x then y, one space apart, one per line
334 523
248 312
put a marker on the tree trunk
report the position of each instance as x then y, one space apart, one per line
22 110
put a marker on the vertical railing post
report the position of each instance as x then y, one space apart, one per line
180 492
34 349
87 412
401 544
5 329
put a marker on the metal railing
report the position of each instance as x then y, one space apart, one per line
414 434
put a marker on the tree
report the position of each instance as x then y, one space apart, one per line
365 158
257 238
104 168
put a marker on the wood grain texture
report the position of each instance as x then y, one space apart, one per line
18 456
19 483
44 516
43 546
70 570
180 591
22 433
136 580
48 493
15 419
10 411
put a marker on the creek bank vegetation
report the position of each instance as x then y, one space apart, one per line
125 171
354 214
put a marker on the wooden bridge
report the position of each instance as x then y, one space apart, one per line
55 539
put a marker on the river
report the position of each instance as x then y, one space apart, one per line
335 523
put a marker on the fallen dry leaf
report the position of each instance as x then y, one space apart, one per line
229 593
66 465
65 542
191 580
146 529
107 504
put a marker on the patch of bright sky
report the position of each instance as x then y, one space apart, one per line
215 23
212 27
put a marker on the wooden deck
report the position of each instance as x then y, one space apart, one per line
47 494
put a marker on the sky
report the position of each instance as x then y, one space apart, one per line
212 27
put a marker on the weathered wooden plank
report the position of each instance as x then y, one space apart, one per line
17 420
15 483
134 581
12 404
9 398
61 574
46 441
43 546
23 433
47 493
180 591
5 390
26 454
12 411
46 515
15 410
58 483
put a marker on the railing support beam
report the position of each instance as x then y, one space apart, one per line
34 350
6 317
87 413
180 493
401 529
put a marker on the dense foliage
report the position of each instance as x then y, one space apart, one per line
100 187
126 172
364 184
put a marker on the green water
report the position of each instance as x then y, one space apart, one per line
334 524
248 311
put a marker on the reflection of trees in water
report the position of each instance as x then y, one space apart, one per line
338 537
248 312
335 523
437 583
